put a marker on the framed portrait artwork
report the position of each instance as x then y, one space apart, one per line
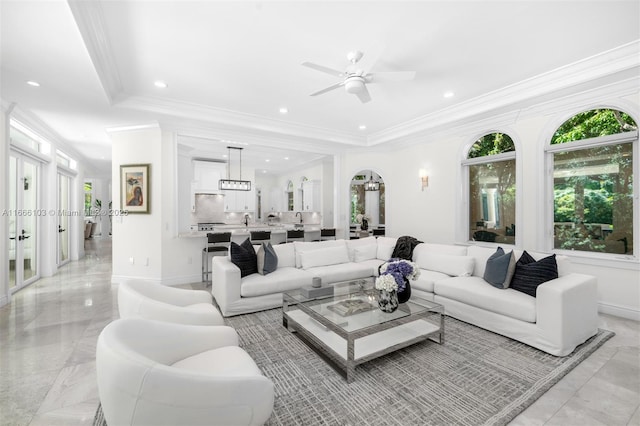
134 188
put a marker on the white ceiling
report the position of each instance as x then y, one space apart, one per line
231 65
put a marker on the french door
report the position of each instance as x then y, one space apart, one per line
64 207
23 221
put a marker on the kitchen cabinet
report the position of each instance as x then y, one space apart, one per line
206 175
240 201
311 196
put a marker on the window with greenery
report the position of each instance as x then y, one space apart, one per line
358 197
491 166
88 195
592 155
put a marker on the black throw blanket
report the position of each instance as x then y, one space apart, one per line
404 247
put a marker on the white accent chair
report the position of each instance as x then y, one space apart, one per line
141 299
159 373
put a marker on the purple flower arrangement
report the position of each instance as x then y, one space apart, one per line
400 269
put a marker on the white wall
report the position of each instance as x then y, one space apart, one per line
4 204
138 236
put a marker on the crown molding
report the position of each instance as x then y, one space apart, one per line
133 127
234 119
89 19
583 72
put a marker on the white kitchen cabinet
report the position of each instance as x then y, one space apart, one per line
311 196
240 201
206 175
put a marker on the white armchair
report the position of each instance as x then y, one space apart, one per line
140 299
158 373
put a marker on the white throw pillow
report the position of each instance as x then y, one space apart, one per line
455 266
384 251
324 257
319 245
352 244
366 252
286 255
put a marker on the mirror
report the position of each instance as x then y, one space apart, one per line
366 203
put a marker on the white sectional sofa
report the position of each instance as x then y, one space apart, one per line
561 316
298 262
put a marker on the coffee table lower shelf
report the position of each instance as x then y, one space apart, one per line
365 348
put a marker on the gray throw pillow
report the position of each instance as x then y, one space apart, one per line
267 259
500 269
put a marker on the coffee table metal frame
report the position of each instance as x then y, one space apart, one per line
320 329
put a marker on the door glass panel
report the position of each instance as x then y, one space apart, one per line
13 206
63 219
29 221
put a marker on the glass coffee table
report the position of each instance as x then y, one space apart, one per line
348 329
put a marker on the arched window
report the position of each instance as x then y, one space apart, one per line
592 157
491 164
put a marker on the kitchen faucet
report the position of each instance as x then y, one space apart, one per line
298 213
246 220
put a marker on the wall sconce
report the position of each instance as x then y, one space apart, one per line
424 178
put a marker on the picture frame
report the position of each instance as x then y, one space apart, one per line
134 188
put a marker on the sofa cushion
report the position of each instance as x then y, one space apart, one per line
458 266
481 255
286 255
301 246
361 243
438 249
366 252
500 268
341 272
225 361
267 259
530 274
324 256
426 279
374 265
280 280
475 291
244 257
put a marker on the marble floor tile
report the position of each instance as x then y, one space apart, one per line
49 332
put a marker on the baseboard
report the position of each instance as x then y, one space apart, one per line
171 281
619 311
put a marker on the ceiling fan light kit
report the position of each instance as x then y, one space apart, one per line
355 80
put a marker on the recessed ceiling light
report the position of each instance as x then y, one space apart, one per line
284 110
264 171
267 160
33 83
286 158
224 155
362 127
160 84
448 94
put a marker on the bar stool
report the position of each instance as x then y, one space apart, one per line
379 231
327 234
295 235
217 245
353 233
258 237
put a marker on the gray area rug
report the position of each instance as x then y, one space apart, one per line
475 378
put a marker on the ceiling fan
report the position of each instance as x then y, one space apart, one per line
355 79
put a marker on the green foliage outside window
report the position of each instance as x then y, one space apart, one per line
593 187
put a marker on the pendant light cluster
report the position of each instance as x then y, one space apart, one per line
229 184
371 185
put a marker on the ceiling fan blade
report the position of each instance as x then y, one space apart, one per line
377 77
323 69
364 95
328 89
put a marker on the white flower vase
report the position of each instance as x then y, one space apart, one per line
388 300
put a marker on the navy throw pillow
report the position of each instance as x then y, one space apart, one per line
244 257
530 274
500 268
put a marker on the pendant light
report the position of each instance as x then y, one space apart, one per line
229 184
372 185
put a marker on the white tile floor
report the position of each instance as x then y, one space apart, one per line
49 331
